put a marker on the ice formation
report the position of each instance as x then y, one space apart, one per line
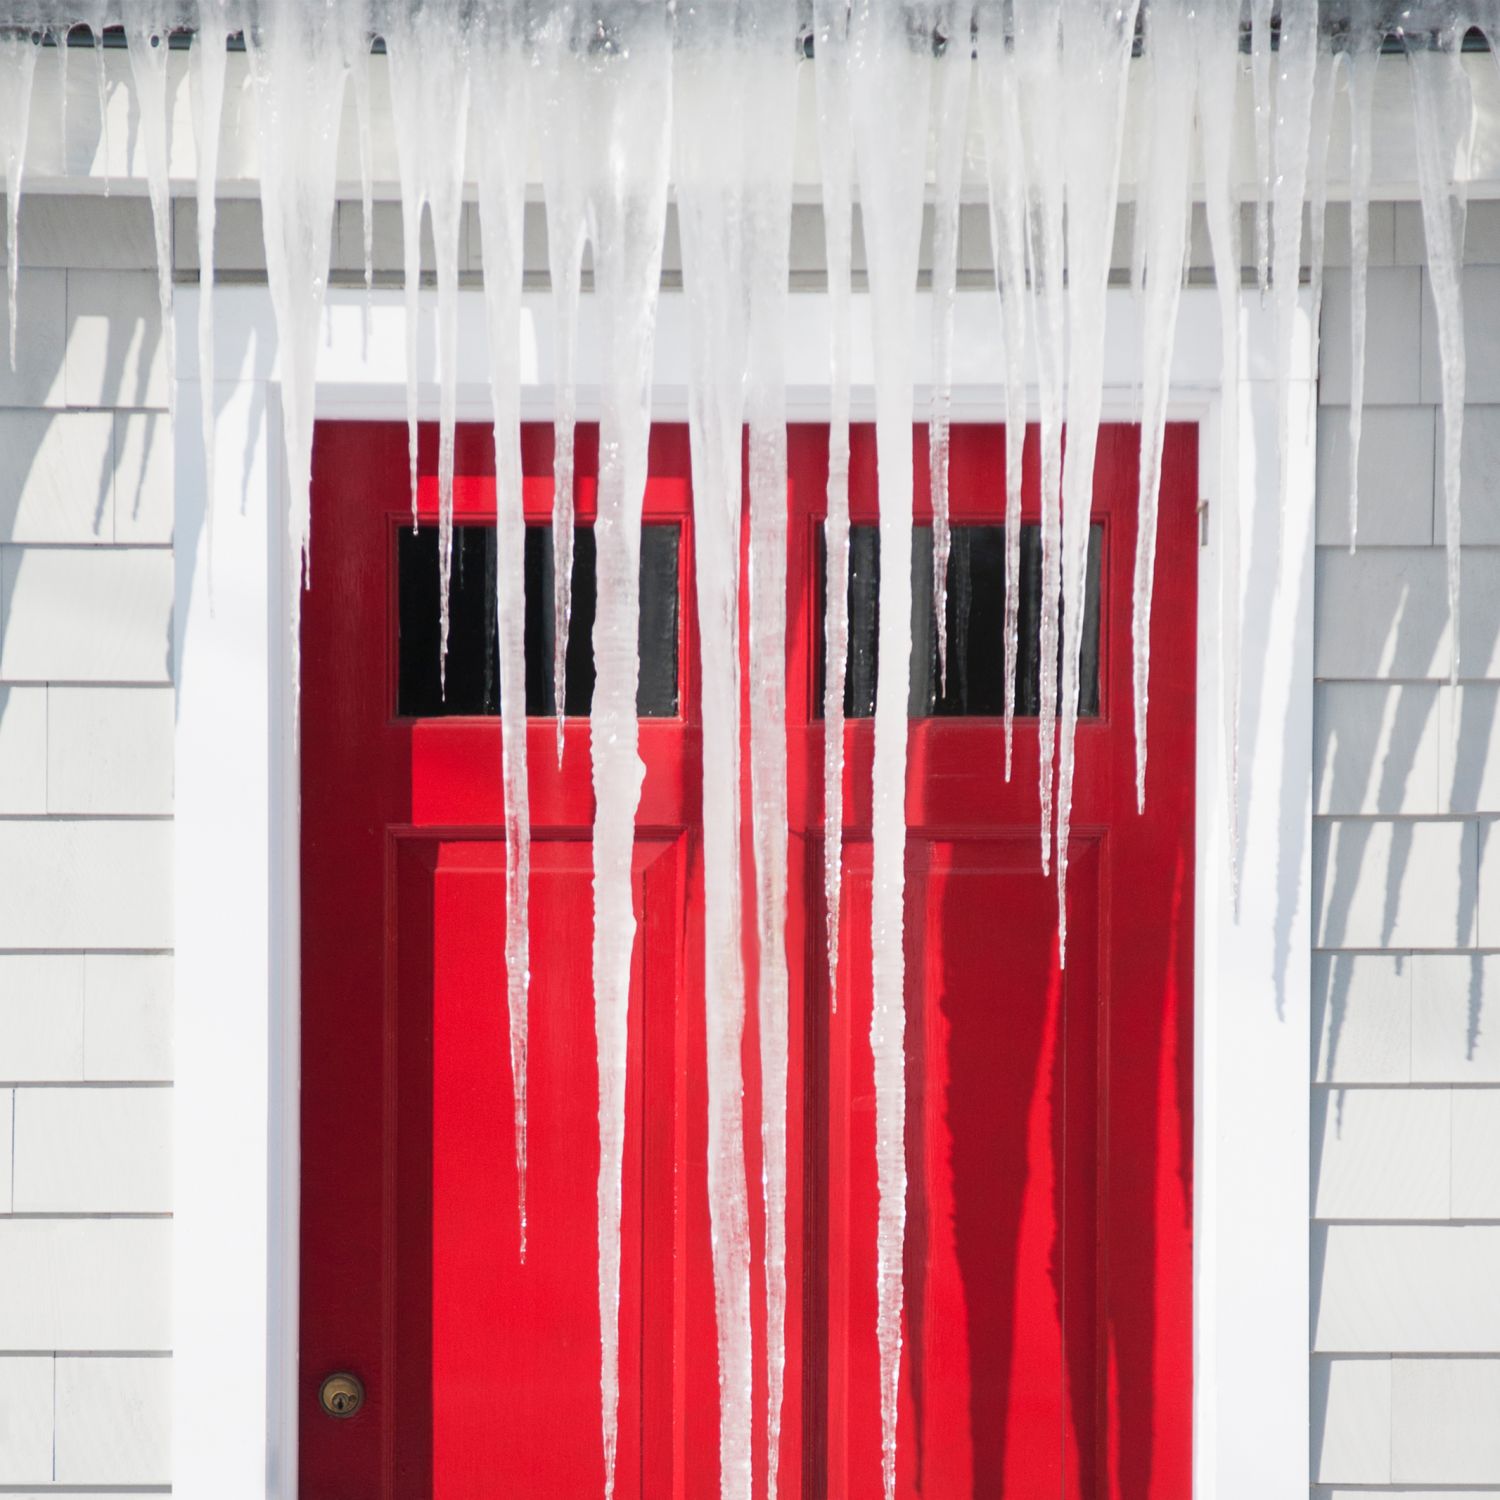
625 98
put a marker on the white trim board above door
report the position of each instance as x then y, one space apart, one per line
237 851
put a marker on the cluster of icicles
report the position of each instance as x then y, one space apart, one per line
628 96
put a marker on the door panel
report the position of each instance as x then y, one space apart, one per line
1047 1332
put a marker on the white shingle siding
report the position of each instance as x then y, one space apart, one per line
1405 1188
86 733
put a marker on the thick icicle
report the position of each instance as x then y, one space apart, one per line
1217 69
564 186
951 110
1005 160
1444 119
1317 185
623 58
1361 65
428 48
146 32
1296 67
891 79
299 74
836 154
1163 204
17 69
500 83
710 153
1038 44
771 82
1097 38
207 64
1260 82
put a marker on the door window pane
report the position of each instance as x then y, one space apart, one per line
473 656
976 626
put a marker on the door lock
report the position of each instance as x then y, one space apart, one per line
341 1394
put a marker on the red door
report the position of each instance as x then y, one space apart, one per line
1048 1265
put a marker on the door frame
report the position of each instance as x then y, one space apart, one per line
237 846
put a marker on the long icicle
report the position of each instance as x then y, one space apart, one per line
772 94
1217 69
951 110
1163 203
429 68
1445 121
891 78
357 41
836 154
626 133
299 87
207 65
564 190
710 154
1006 164
1260 83
1361 65
17 69
1038 46
500 102
1097 38
146 35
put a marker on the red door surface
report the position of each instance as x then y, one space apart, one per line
1047 1341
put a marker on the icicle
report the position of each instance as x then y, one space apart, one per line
836 154
1317 185
563 186
17 69
1296 65
620 60
1444 120
1362 63
1097 38
771 96
207 63
93 16
953 70
500 81
299 75
891 78
146 36
1217 69
358 46
1005 158
1163 206
710 152
429 64
60 43
1260 81
1038 42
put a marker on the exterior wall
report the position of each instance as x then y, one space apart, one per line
1406 868
86 726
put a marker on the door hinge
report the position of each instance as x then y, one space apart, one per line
1203 523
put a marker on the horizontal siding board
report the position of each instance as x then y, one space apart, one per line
41 1017
82 1150
1469 748
144 496
1381 1153
1396 466
80 615
1476 1155
128 1017
114 1421
1406 1288
25 1418
93 884
1393 352
40 376
1381 613
1455 1028
1351 1421
1380 884
109 750
23 750
1362 1017
1376 748
1445 1421
91 1284
57 481
116 356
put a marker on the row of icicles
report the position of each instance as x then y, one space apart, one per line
628 96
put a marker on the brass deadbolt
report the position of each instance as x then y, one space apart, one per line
341 1394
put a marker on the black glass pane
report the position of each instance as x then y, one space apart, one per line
976 626
473 656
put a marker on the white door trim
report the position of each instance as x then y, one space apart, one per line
237 856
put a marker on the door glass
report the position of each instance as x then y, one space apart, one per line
976 626
473 671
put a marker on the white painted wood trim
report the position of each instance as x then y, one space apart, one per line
237 904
